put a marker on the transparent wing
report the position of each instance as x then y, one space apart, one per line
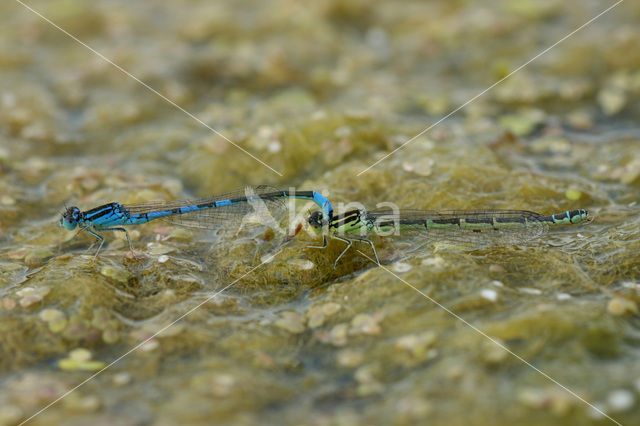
256 211
506 233
446 214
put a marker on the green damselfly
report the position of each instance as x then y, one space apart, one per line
475 227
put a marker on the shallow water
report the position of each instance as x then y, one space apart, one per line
319 92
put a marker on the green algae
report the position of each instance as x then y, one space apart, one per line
319 91
80 360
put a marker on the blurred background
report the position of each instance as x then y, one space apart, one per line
319 91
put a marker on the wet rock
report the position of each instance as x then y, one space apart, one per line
291 321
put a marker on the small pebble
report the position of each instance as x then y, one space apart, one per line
50 314
36 256
620 306
149 345
433 261
7 200
18 254
27 301
302 264
551 144
497 283
291 321
342 132
322 336
620 400
368 384
80 354
274 146
58 325
330 308
365 324
489 294
497 268
118 274
418 344
8 303
163 331
86 404
163 258
529 290
349 358
631 284
401 267
222 385
30 295
494 354
316 320
122 379
611 100
596 411
422 167
338 335
563 296
557 402
318 314
267 258
532 398
26 291
628 173
55 319
580 120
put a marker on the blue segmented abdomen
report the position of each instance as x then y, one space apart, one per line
200 213
147 217
139 218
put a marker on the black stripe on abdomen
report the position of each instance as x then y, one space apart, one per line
520 220
452 221
487 220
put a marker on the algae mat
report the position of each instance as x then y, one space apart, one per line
319 92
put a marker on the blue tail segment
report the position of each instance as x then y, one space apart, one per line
113 216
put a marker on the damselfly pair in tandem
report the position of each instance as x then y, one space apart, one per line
475 227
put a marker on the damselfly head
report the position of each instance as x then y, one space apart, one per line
70 218
580 216
315 220
586 216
